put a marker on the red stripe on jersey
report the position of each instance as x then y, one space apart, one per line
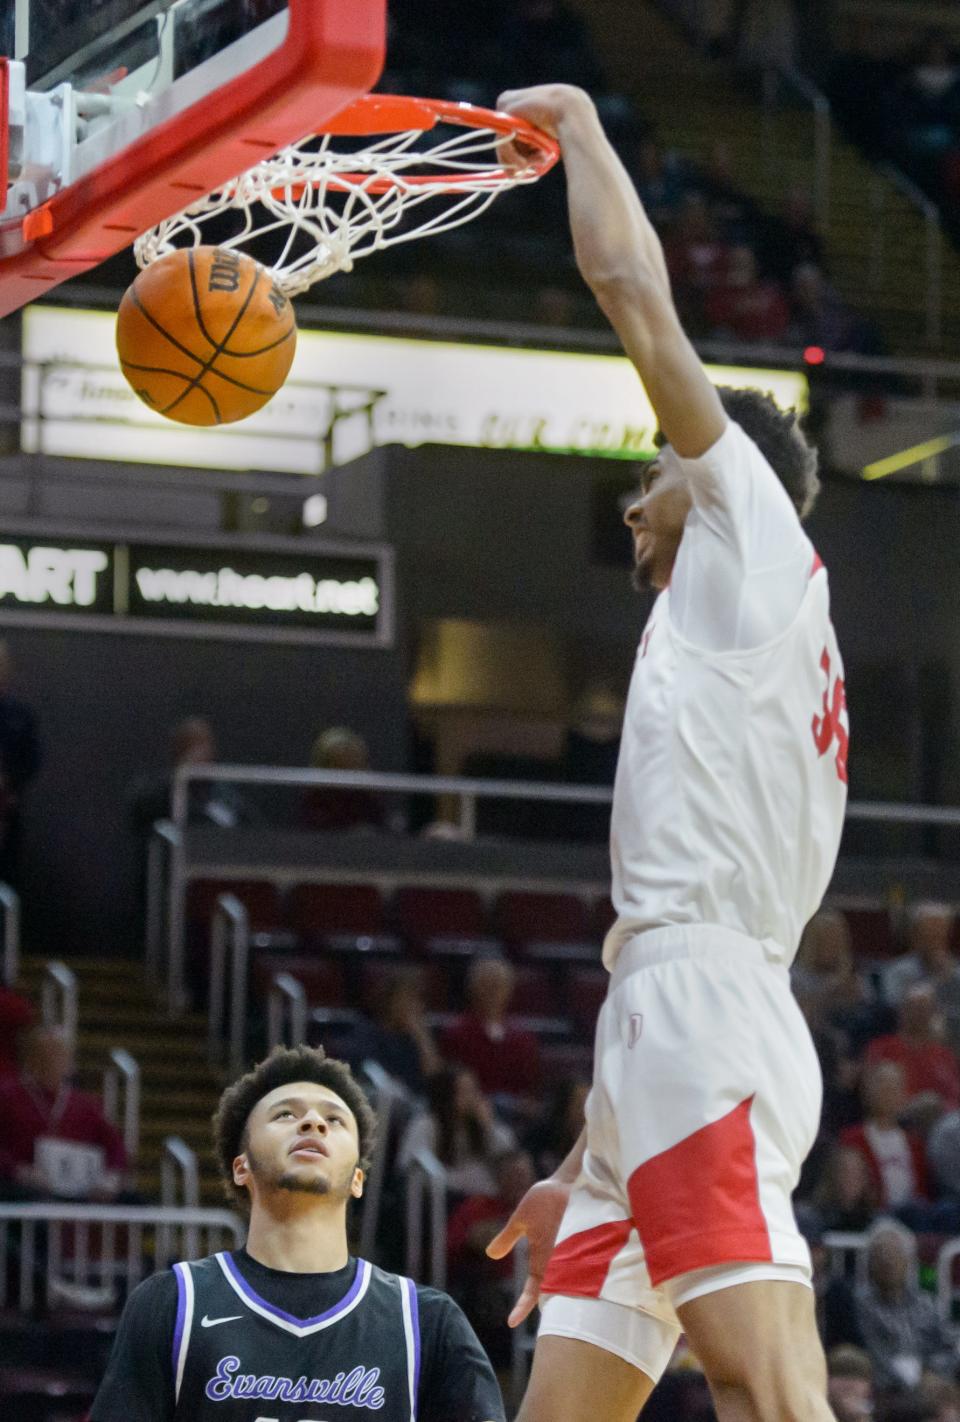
579 1265
817 563
698 1203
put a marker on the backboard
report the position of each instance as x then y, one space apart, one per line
120 112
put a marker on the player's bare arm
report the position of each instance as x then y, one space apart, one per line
621 259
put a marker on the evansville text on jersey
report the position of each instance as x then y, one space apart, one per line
357 1388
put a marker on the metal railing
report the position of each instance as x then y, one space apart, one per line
426 1183
229 934
523 1338
179 1175
389 1095
286 1007
887 177
468 791
10 909
59 998
123 1075
163 837
819 105
101 1246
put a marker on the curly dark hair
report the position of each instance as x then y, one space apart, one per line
284 1065
781 441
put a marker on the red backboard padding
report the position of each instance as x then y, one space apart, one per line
333 53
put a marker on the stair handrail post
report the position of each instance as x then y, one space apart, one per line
934 261
10 907
389 1095
933 244
163 839
229 943
522 1338
287 1002
426 1173
59 997
177 890
123 1068
822 112
178 1166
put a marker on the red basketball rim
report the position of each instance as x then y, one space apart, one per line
375 114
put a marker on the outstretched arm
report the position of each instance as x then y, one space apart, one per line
621 260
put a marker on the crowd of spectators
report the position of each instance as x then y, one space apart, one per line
740 275
904 107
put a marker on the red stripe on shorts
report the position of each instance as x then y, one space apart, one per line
580 1264
698 1203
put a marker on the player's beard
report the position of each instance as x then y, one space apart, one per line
320 1184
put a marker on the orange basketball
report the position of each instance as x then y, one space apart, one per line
205 337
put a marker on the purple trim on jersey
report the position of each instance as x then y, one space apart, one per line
181 1315
363 1268
415 1325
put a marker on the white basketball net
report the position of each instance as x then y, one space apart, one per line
322 208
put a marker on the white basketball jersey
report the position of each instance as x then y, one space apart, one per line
731 784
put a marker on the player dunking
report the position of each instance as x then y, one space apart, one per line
674 1209
291 1328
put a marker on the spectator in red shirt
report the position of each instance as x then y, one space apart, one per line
504 1057
895 1157
16 1014
931 1069
42 1116
745 306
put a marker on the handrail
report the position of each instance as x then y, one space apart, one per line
123 1068
10 908
389 1094
934 249
840 1246
389 782
179 1162
178 1165
59 982
163 839
107 1245
287 1002
426 1172
524 1336
229 931
946 1292
822 131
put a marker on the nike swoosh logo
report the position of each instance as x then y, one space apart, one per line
206 1322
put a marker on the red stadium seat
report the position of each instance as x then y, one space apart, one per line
528 918
259 897
536 992
323 979
423 914
586 991
375 974
319 911
602 916
871 933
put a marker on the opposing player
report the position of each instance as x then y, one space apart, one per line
674 1209
291 1327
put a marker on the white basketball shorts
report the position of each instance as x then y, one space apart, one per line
705 1102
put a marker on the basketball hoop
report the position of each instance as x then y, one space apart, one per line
320 204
